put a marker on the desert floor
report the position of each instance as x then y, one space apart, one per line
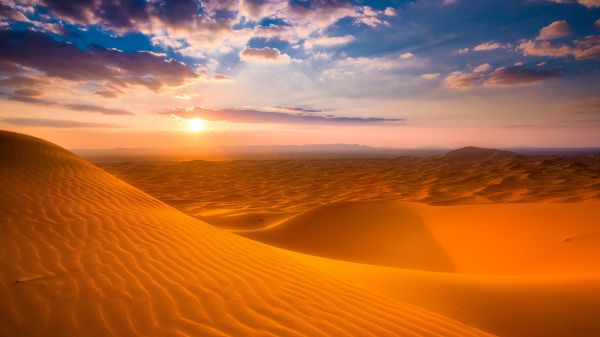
474 242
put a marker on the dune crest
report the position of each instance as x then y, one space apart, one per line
83 253
374 232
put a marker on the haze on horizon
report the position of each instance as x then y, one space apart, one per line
187 73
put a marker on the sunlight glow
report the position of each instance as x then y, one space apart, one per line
196 125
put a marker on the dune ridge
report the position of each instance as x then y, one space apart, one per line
84 253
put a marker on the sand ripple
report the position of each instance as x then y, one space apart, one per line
84 254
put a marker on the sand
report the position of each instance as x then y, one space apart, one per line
83 253
254 194
470 243
496 240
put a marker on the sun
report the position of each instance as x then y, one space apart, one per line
196 125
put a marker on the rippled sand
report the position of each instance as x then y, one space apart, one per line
83 253
502 242
253 194
347 248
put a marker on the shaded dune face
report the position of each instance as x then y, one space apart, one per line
382 233
498 239
85 254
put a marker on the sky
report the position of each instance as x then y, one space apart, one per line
408 74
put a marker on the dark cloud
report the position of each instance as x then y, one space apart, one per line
297 109
23 82
28 92
519 75
31 100
32 49
32 96
6 12
257 116
140 15
501 77
108 93
95 108
56 123
76 11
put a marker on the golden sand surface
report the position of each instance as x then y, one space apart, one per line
83 253
506 243
467 244
253 194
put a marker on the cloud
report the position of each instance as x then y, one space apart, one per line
430 76
265 55
32 96
555 30
519 75
501 77
597 23
259 116
257 9
221 78
389 11
463 80
352 66
586 3
590 105
6 12
146 16
95 108
482 68
31 49
588 48
407 55
295 109
309 16
487 46
18 81
56 123
328 41
590 3
109 93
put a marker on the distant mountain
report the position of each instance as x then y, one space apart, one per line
308 151
475 154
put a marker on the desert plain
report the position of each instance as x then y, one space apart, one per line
474 242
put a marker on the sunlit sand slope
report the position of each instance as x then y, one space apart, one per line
515 269
84 254
495 239
524 305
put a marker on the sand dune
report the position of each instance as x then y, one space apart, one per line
516 269
498 239
474 154
85 254
524 305
254 194
382 233
513 251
